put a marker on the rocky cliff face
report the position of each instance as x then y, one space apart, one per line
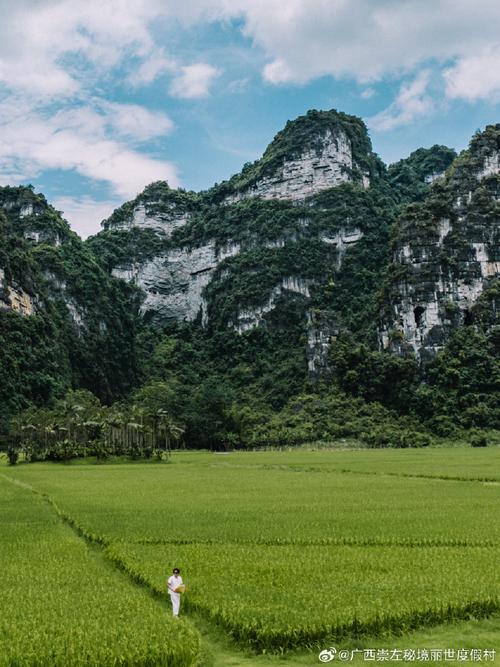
447 252
63 319
312 154
309 224
13 297
181 263
314 170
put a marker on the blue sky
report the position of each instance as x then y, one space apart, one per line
99 98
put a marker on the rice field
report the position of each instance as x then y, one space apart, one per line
62 604
281 551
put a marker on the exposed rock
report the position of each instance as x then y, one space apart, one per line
173 283
315 170
249 318
312 154
430 178
162 223
13 297
442 265
343 239
320 333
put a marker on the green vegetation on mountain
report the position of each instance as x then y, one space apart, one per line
280 279
83 328
157 198
306 133
409 178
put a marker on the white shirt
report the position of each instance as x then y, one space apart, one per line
173 582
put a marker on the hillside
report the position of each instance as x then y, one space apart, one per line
64 322
315 271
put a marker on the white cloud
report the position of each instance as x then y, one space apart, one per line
367 93
476 77
150 69
134 122
85 214
53 56
363 39
193 81
411 102
37 38
57 58
76 140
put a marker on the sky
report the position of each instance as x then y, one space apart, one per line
98 98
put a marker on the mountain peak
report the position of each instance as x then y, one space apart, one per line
314 152
31 217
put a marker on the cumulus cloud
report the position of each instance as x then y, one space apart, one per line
57 58
363 39
150 69
54 113
476 77
32 140
135 122
193 81
412 102
37 40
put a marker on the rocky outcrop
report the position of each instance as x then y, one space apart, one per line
320 334
327 165
249 318
13 297
162 222
314 153
447 253
158 208
344 238
173 283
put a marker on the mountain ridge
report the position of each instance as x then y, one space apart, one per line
360 276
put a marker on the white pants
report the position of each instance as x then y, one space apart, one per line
176 603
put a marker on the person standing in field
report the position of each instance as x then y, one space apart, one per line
173 583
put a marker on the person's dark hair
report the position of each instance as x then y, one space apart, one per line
176 570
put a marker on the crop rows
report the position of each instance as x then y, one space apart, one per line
276 598
277 560
185 502
62 605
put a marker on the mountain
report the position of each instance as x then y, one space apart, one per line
446 254
315 211
316 268
63 320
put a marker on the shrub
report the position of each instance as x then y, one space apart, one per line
415 439
478 440
443 426
13 455
382 436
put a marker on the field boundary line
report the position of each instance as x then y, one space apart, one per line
305 638
326 542
94 538
318 469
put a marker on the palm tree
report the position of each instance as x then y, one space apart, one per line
171 430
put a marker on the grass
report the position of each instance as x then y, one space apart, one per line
62 603
277 598
228 498
292 551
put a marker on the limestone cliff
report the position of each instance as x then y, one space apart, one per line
181 240
63 320
447 252
309 223
327 165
